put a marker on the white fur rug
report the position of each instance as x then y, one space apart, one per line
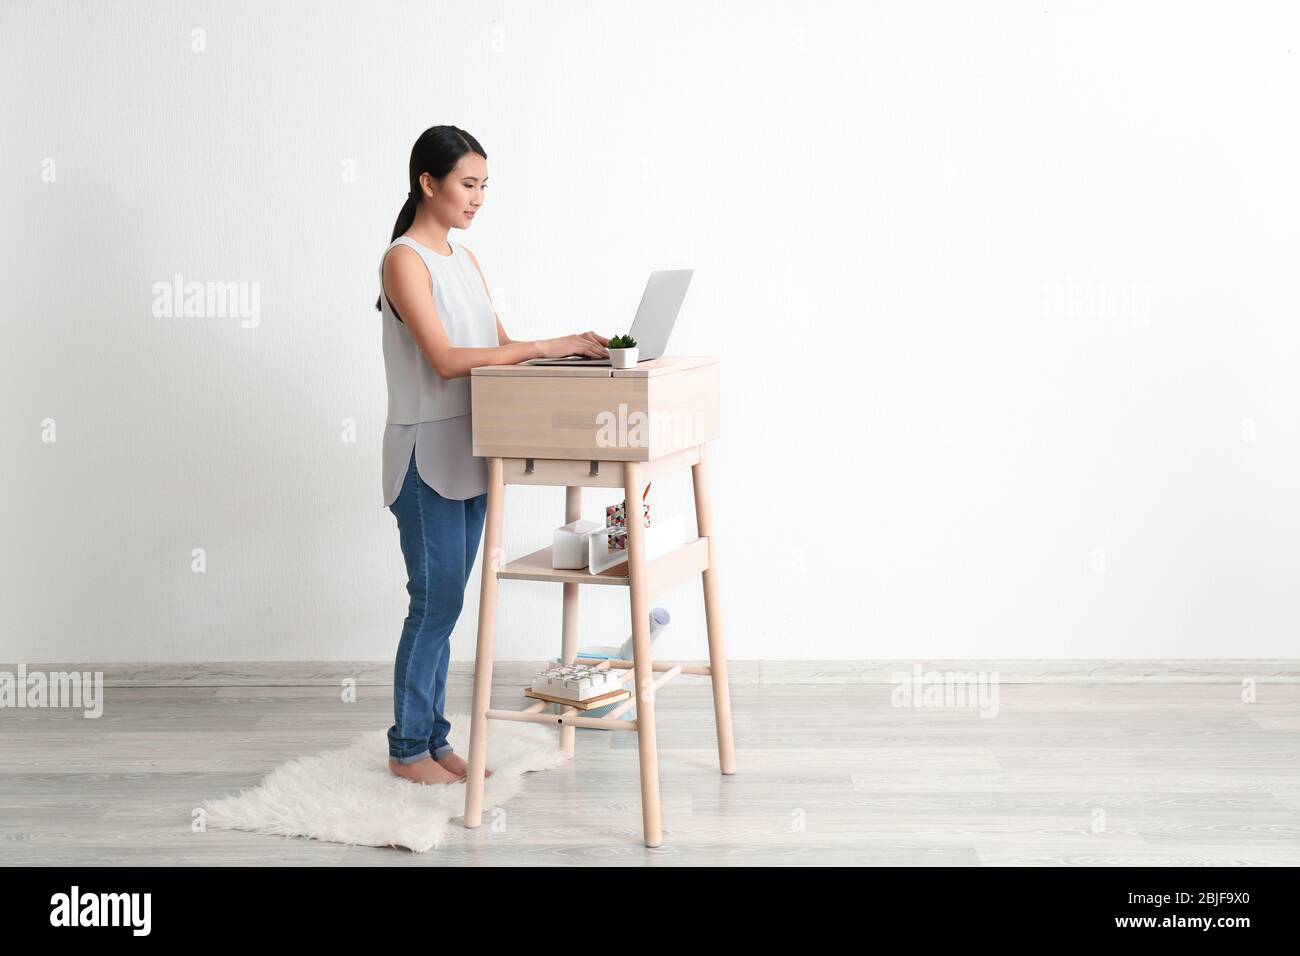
350 795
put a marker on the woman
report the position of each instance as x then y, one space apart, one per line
439 323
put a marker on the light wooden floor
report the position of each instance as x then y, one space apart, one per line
1067 773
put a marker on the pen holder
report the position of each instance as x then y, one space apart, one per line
616 517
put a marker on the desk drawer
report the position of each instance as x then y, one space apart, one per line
562 471
570 473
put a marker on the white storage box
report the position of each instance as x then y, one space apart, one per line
577 681
659 540
569 546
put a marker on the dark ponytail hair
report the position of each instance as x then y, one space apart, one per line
436 152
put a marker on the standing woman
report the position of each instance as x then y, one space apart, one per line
439 323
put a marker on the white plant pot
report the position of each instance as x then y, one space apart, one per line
623 358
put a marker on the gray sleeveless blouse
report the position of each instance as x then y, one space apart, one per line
429 416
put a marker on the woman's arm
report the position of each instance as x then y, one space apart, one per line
407 285
408 289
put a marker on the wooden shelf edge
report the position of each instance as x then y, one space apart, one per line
664 571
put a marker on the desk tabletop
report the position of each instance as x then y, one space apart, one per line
660 366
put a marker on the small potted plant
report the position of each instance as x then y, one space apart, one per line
622 351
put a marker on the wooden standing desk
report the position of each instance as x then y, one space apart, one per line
597 427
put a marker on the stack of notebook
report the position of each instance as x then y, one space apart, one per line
581 685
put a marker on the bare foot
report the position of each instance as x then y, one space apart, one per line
456 764
427 771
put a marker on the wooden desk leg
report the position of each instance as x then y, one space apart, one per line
487 622
642 660
569 638
713 621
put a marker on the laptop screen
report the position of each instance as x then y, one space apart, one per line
660 303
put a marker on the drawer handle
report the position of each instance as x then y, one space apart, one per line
595 470
528 466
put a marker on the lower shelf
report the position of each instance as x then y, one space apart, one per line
661 573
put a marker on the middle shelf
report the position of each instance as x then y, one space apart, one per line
661 573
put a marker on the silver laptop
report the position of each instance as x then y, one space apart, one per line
655 316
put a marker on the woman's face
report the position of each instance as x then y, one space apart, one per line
458 197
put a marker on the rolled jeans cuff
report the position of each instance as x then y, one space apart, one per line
415 758
440 752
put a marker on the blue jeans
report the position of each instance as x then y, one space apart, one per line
440 539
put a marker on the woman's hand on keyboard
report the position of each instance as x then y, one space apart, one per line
582 344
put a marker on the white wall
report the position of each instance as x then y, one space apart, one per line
1007 290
